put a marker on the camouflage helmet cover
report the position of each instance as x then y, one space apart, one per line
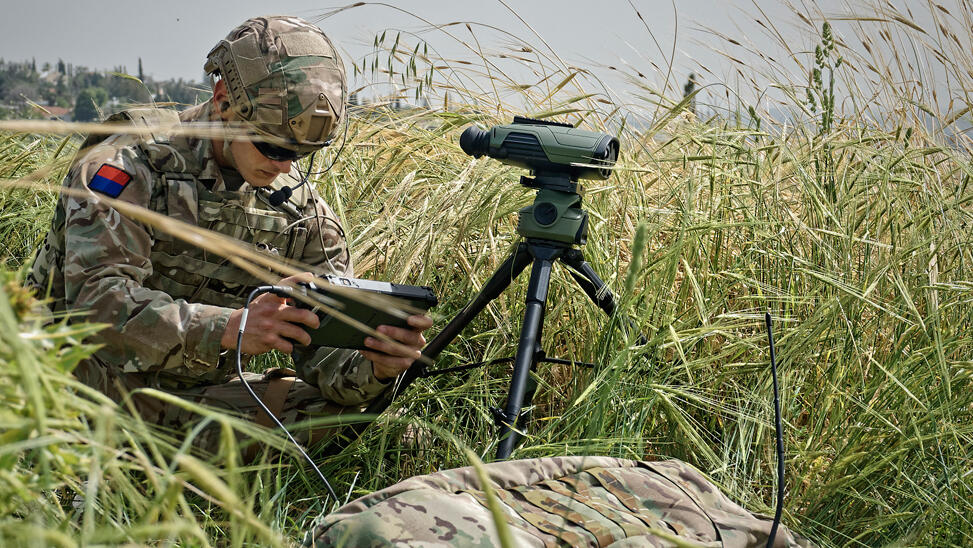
284 78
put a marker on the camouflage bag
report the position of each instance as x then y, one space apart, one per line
562 501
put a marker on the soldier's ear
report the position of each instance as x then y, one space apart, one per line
220 99
219 92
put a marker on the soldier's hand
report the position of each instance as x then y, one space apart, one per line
389 360
270 323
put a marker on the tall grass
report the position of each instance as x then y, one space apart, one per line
844 210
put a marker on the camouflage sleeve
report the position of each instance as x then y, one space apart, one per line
106 261
344 376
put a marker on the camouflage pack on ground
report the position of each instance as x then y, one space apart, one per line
562 501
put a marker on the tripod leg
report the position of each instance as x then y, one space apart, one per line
527 349
589 281
501 279
596 289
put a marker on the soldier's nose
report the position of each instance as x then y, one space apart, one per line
283 166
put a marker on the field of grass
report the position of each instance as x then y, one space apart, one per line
845 210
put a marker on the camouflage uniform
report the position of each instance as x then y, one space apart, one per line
551 502
167 302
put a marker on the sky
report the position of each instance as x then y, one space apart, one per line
173 37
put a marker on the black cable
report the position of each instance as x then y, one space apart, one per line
780 434
283 194
426 373
283 291
310 166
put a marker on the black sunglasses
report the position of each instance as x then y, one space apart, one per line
279 154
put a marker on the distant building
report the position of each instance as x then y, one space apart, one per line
54 112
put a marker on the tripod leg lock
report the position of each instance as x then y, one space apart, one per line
501 418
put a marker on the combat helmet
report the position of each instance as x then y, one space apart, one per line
285 81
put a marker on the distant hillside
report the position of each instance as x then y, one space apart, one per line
70 92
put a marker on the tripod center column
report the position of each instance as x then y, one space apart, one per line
520 394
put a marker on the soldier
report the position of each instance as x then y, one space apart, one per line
173 310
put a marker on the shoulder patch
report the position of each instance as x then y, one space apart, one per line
109 180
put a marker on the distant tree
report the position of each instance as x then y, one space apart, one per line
84 107
33 64
181 91
22 89
87 103
100 95
61 68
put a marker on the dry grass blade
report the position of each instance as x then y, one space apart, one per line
201 130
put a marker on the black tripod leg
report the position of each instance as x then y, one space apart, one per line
593 286
527 349
501 279
589 281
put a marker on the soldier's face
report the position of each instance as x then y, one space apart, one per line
257 169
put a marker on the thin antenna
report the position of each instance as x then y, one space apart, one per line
780 433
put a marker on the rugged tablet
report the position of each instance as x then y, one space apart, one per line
379 303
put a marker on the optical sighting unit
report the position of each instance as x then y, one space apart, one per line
558 155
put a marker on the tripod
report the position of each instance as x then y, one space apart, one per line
552 226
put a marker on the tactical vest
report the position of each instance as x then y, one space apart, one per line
185 271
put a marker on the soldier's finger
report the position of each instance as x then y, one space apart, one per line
395 349
268 300
299 315
283 345
259 341
407 337
294 332
420 322
297 278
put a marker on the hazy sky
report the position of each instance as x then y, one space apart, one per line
173 36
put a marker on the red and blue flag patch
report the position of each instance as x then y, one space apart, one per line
109 180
